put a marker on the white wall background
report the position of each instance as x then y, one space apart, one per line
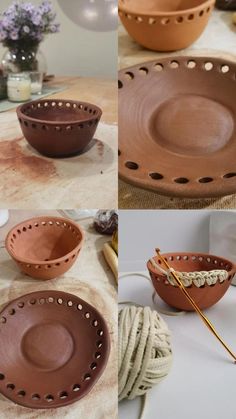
77 51
141 232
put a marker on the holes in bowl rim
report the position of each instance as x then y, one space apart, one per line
99 344
143 71
205 180
131 165
2 376
191 64
208 65
179 19
181 180
76 387
155 175
224 68
11 386
87 377
165 21
158 67
21 393
174 64
151 21
129 75
35 397
63 395
49 398
229 175
12 311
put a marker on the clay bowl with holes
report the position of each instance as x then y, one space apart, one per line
165 25
54 347
58 128
45 247
177 131
205 296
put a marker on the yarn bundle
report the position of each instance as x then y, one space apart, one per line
144 351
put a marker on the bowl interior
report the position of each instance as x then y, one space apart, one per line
42 241
59 111
154 6
195 263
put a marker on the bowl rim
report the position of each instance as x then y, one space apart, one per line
125 9
197 254
39 262
21 114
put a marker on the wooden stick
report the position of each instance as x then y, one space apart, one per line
195 306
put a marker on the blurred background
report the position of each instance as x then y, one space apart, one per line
76 50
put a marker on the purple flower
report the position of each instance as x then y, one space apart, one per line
27 22
3 35
26 29
14 35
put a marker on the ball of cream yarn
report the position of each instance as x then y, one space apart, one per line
144 351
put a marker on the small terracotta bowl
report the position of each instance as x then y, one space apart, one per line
58 128
205 296
165 25
45 247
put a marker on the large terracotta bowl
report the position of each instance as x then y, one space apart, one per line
165 25
45 247
205 296
58 128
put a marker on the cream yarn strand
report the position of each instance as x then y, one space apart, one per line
144 350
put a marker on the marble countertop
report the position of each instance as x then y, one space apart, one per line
29 180
89 278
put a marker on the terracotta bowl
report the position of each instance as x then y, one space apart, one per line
165 25
45 247
205 296
58 128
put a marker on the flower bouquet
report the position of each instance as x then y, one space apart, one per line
22 28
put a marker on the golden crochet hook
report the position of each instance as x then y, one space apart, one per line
195 306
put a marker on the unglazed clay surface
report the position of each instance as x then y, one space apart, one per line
156 6
162 25
205 296
177 131
58 128
54 347
45 247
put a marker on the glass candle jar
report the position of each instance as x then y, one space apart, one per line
19 87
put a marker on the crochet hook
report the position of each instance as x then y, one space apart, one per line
195 306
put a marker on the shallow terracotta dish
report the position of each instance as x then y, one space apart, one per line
58 128
165 25
54 347
177 131
206 295
45 247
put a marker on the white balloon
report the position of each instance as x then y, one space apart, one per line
94 15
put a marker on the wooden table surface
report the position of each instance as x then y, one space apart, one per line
29 180
89 278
